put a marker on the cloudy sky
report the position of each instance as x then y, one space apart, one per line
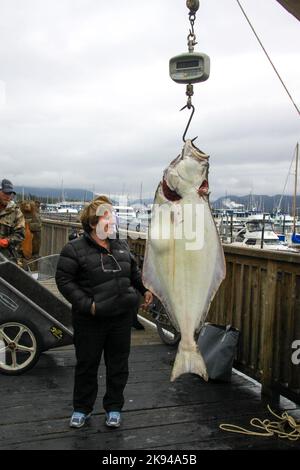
86 98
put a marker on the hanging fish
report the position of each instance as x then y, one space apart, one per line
184 262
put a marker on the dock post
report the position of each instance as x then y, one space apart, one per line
268 333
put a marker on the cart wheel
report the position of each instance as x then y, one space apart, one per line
166 331
169 336
20 347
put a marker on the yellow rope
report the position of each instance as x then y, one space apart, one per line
286 427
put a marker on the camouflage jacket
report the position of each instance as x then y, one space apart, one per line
12 227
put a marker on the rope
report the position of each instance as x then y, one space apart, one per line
286 427
269 58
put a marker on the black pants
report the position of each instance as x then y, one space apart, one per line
91 338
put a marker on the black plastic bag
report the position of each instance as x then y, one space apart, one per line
218 344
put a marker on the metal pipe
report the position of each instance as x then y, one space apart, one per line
263 232
295 189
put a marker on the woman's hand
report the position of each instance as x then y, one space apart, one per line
148 299
93 309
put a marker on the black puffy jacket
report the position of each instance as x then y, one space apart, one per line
87 273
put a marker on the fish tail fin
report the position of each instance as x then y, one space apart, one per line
189 361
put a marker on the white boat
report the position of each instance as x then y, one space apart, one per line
50 209
259 234
230 222
64 208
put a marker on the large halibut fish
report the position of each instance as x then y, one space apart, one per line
184 262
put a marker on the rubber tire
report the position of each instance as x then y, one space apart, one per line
166 338
38 339
160 330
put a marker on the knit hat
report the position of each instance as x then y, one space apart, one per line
7 187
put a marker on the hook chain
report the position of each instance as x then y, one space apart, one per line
193 6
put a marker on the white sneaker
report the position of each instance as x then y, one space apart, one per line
78 419
113 419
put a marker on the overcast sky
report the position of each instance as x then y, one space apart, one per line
86 98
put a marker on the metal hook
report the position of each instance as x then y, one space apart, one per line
189 121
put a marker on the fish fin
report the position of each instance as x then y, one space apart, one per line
189 361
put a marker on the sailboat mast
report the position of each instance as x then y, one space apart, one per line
62 191
295 189
141 193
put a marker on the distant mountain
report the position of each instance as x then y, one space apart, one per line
71 194
257 201
144 202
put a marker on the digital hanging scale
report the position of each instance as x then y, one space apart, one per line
189 67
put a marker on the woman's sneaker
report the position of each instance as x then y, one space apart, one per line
78 419
113 419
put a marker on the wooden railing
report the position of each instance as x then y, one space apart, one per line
260 296
55 234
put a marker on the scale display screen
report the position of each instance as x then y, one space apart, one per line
191 67
187 64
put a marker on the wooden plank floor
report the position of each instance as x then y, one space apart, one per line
35 408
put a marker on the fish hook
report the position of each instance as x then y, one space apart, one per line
189 105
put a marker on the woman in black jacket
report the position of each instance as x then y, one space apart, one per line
98 275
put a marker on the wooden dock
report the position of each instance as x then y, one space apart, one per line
158 415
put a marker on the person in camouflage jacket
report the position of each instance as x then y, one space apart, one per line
12 223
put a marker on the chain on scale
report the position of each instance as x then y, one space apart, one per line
191 67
